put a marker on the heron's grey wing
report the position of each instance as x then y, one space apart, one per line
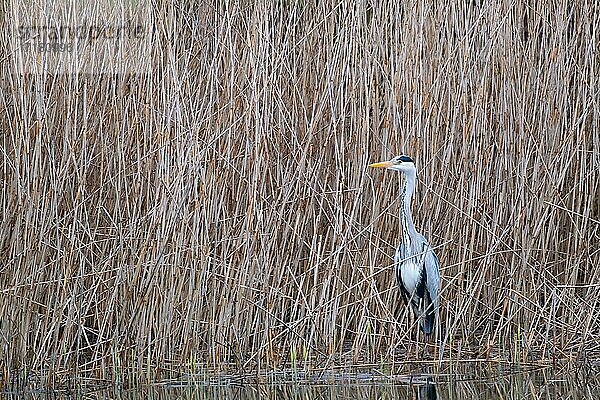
432 274
432 267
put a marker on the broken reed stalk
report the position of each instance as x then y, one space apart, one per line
218 210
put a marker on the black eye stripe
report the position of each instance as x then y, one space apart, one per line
404 159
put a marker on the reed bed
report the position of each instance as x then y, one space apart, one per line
214 209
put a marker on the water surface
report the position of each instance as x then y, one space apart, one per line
478 382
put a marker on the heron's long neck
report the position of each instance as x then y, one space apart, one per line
408 227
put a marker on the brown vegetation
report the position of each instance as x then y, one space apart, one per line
216 207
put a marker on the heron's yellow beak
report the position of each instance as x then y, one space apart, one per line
383 164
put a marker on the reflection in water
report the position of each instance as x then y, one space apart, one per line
295 392
520 387
446 387
427 392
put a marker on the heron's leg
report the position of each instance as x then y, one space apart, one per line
403 345
426 346
413 344
417 339
433 340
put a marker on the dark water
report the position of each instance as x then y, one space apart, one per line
541 384
518 389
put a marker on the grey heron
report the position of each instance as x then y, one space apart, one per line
416 266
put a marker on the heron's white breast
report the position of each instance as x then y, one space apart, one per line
410 273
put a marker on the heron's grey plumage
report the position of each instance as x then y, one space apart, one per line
416 266
424 302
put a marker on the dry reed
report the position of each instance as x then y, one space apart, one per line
216 209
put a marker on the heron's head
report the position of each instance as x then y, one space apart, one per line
402 163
